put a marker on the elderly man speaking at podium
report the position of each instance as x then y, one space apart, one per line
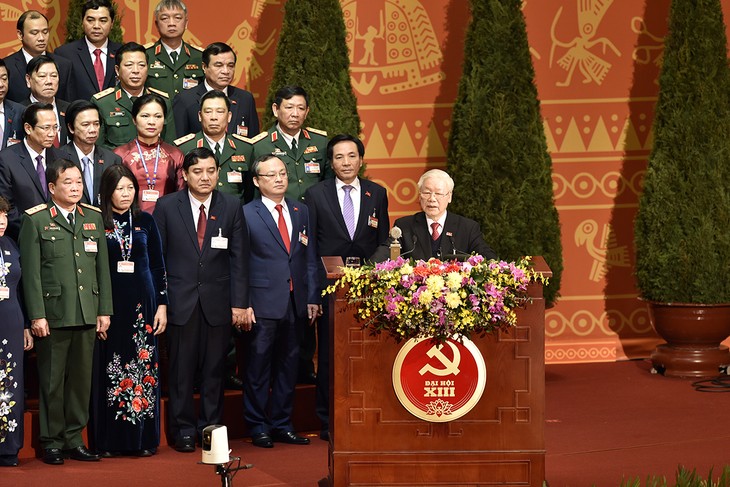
434 232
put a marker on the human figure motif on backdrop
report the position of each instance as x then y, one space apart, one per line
368 39
125 407
157 165
15 338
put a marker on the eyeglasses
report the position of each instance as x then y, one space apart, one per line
47 128
273 175
426 195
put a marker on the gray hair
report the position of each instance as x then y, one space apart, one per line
172 5
436 174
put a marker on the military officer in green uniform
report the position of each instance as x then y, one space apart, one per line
233 152
68 298
115 104
303 150
174 65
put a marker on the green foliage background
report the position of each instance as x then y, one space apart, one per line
497 149
312 53
75 30
682 230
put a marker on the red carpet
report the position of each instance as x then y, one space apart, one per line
605 422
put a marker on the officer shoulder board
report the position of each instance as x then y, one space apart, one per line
149 44
184 139
36 209
103 93
246 139
323 133
197 48
158 92
91 207
260 136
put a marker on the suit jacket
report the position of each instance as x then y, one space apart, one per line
19 182
84 76
19 91
66 282
244 119
272 268
217 278
13 114
328 225
103 158
61 107
460 235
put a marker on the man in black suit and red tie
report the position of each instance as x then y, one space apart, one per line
434 232
33 33
204 243
92 56
23 165
349 217
219 65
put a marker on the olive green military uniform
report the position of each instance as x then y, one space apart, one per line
234 162
117 124
170 77
307 167
65 280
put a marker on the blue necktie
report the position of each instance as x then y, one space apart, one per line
348 211
88 178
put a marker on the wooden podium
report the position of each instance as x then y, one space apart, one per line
374 440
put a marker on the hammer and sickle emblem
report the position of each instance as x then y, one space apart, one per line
450 366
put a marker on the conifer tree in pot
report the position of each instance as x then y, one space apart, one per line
682 229
497 153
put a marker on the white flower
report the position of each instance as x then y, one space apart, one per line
5 396
12 424
2 374
10 355
5 341
4 409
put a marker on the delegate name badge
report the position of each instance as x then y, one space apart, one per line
372 221
439 382
311 167
91 246
12 141
125 267
150 195
219 242
234 177
303 238
189 83
242 130
4 292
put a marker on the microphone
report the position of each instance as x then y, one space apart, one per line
456 253
395 234
413 247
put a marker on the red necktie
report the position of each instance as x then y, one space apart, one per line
435 231
202 223
284 236
99 69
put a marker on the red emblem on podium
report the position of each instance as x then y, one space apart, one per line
439 382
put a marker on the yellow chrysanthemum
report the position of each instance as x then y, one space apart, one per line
453 281
452 300
425 297
435 283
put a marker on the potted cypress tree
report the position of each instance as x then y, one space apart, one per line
682 229
497 152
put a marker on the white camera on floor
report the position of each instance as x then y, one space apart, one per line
215 445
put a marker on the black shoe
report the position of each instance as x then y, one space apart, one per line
324 435
307 378
145 453
262 440
185 444
53 456
290 437
110 454
8 460
234 383
81 454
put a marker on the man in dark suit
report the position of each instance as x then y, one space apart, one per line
204 242
68 298
11 113
42 80
434 232
82 119
282 283
33 34
219 64
348 217
93 55
23 166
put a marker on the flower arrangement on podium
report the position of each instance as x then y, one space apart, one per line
438 299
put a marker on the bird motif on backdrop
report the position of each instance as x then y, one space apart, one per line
606 252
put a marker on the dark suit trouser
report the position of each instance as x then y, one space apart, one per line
196 347
64 376
271 364
322 404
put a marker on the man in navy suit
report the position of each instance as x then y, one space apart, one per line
434 232
93 55
83 122
11 123
204 243
351 228
23 166
33 34
282 284
219 64
42 79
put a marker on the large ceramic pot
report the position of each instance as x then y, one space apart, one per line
693 333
